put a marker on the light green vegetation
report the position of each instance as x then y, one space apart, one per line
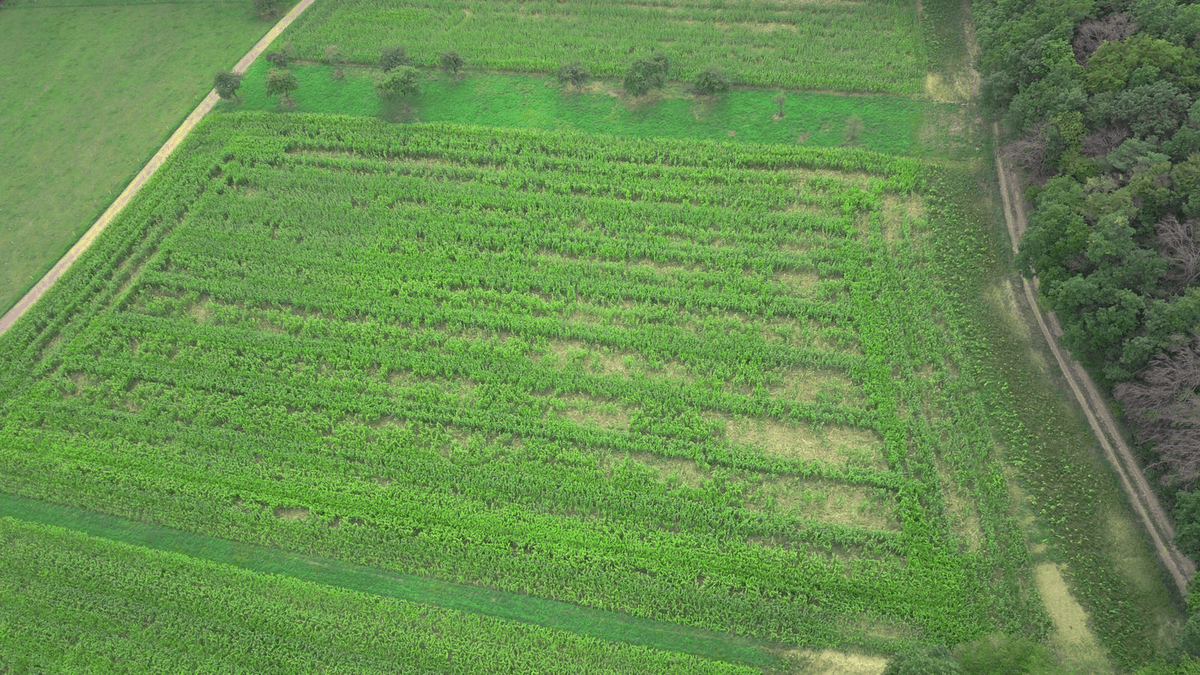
709 384
83 604
868 46
881 123
89 95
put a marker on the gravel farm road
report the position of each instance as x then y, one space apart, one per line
1099 417
144 175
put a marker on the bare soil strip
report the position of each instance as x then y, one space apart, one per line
1143 498
143 176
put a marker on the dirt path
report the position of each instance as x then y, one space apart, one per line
1143 498
144 175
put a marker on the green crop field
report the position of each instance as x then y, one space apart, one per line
180 613
696 382
90 94
861 45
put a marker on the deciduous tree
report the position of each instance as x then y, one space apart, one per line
711 81
281 83
398 84
451 62
393 56
573 74
227 83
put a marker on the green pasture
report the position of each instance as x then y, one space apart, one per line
90 94
881 123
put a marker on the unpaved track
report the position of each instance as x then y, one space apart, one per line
1143 498
144 175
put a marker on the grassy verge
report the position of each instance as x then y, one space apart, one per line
610 626
91 94
882 123
1065 494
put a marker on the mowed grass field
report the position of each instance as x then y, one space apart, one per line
857 45
706 384
90 94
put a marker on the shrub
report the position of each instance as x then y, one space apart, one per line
574 74
711 81
393 57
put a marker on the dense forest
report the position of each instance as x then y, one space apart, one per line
1101 100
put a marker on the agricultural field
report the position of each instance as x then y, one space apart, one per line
528 361
91 92
857 46
179 612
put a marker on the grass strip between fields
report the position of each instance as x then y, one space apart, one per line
548 613
891 124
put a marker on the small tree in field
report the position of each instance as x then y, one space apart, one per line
226 83
646 74
267 9
398 84
393 56
281 83
573 74
711 82
452 62
334 56
277 58
780 99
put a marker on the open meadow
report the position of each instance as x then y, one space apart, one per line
91 92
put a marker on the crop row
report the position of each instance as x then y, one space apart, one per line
75 602
396 381
852 46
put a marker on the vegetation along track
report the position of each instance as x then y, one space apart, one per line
144 175
1143 498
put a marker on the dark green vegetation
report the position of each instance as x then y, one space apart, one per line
745 418
881 123
1104 103
872 46
67 595
90 94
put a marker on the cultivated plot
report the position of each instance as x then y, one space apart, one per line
694 382
863 46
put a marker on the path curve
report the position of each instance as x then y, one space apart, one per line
1099 417
143 176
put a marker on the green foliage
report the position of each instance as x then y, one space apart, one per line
451 61
281 83
335 57
394 56
1187 526
398 366
399 82
711 81
646 74
1110 68
574 74
227 83
937 661
85 602
1006 655
277 58
860 46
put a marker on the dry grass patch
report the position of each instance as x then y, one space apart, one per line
830 502
803 384
961 511
831 662
1072 639
832 444
593 412
292 513
799 283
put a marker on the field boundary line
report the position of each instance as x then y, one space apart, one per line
1099 417
582 620
143 176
